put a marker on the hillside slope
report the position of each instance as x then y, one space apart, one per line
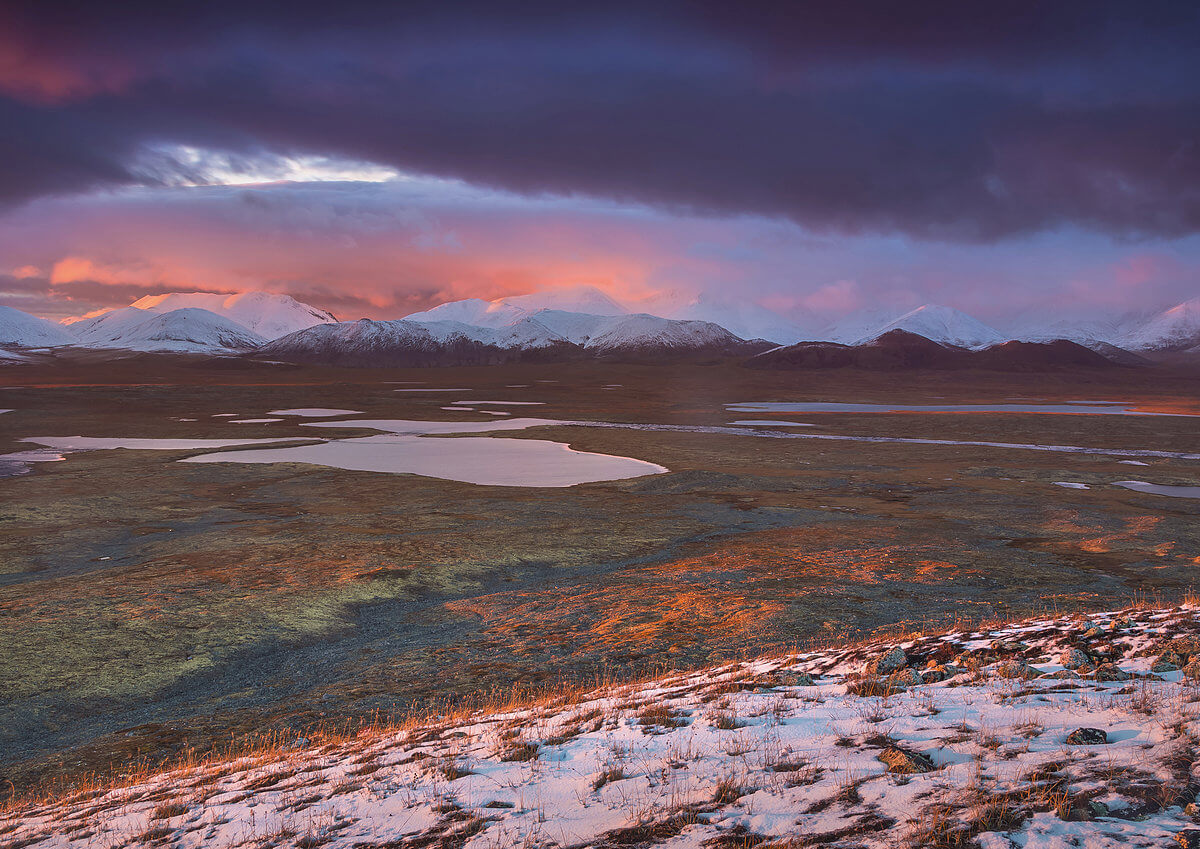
1065 731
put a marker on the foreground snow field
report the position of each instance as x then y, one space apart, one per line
1053 732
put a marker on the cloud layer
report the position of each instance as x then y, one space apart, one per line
949 121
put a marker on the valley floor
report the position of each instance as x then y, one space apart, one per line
150 607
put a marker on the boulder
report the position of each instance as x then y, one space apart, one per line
893 660
905 678
1016 669
901 762
1074 658
1111 672
1087 737
788 678
1189 838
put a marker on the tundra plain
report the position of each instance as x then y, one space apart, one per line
150 607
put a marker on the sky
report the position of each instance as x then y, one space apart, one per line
1012 160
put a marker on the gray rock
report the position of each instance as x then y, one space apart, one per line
900 762
906 678
1111 672
1188 838
893 660
1074 658
1016 669
1087 737
794 679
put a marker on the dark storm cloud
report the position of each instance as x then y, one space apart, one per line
956 121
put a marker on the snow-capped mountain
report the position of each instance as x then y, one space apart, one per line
941 324
505 311
1174 329
473 311
263 313
20 329
403 343
547 334
746 319
649 332
524 333
187 330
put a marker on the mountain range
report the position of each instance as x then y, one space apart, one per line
583 322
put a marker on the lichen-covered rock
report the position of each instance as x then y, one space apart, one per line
1073 658
1189 838
906 678
789 678
1063 673
1016 669
1111 672
939 673
893 660
1161 666
900 762
1087 737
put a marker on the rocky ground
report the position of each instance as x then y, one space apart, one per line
1051 732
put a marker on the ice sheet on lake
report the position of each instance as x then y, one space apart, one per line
896 440
253 421
1102 408
58 447
1162 489
771 423
421 428
476 460
314 412
1072 485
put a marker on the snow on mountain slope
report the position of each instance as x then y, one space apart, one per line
527 333
1084 331
472 311
268 315
742 318
637 332
585 299
187 330
367 343
633 332
942 324
1175 329
23 330
505 311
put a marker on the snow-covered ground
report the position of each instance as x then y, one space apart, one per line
1052 732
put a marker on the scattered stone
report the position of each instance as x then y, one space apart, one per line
1172 657
906 678
1188 838
1009 646
893 660
900 762
938 673
1111 672
1016 669
1192 810
1164 666
1192 670
1074 658
1087 737
794 679
1062 673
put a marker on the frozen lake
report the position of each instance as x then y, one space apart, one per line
405 448
1162 489
1089 408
